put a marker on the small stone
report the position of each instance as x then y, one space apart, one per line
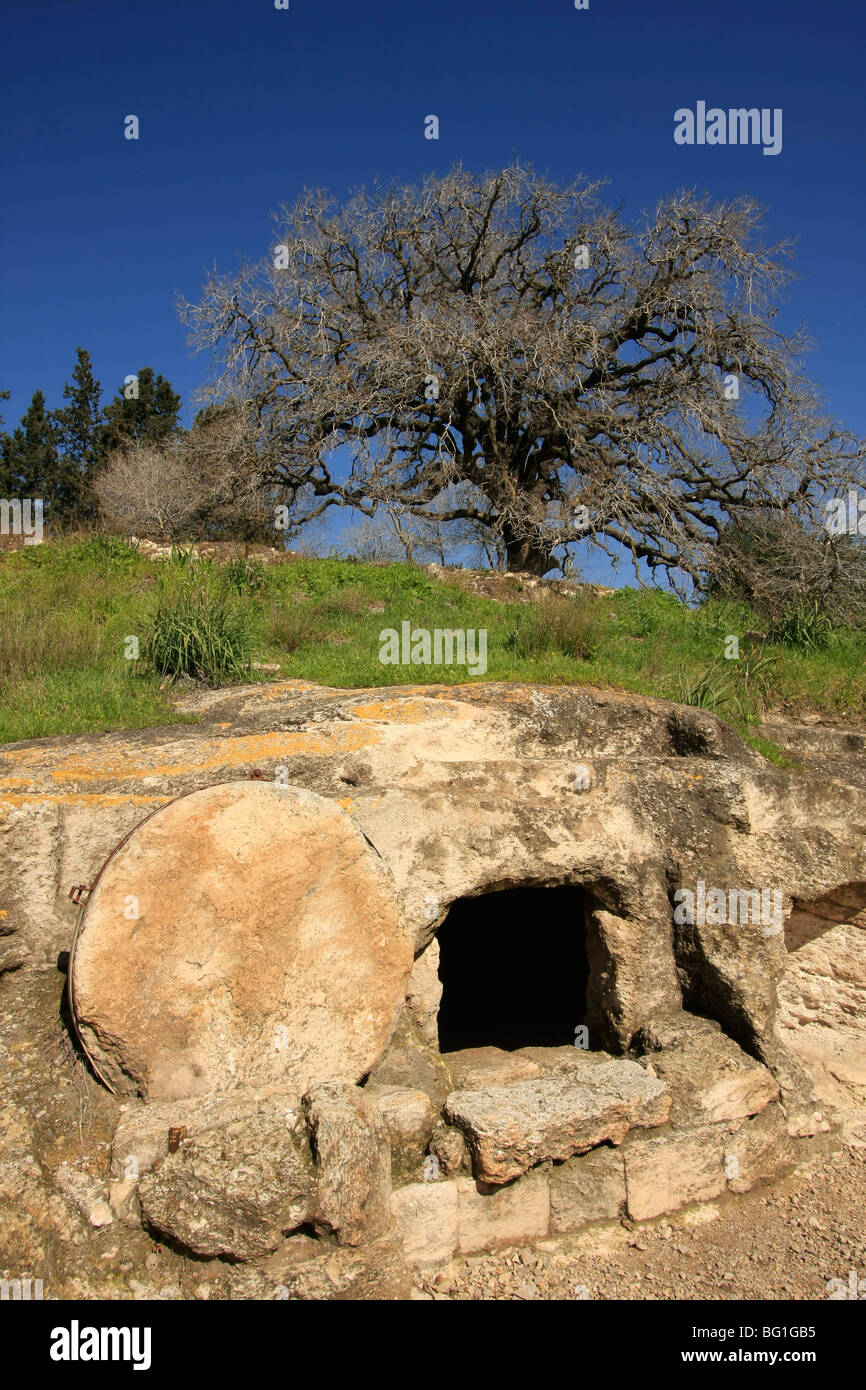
87 1193
122 1200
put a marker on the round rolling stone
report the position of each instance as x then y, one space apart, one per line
245 934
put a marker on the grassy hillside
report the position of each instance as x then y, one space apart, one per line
69 609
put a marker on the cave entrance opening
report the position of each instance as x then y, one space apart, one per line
513 967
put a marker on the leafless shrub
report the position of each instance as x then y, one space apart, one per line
776 561
205 484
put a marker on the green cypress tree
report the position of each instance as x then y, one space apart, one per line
81 434
151 417
31 458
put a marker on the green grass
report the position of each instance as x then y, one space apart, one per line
67 610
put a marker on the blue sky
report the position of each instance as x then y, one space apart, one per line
241 105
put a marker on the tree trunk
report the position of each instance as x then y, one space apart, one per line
523 553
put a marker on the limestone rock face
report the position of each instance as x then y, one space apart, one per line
411 1061
463 789
409 1118
822 995
588 1188
235 1189
671 1169
512 1127
338 1274
577 1061
758 1149
353 1163
86 1193
246 934
448 1147
426 1215
710 1078
438 1219
515 1215
476 1068
425 993
13 955
141 1133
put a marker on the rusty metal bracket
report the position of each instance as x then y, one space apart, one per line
175 1134
76 892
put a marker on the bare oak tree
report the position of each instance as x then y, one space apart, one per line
573 376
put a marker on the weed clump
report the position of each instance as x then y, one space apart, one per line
196 633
